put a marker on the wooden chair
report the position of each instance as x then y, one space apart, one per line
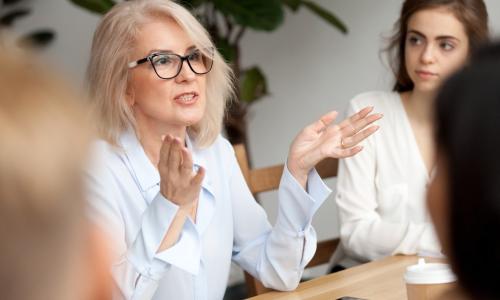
266 179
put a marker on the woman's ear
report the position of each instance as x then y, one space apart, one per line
130 95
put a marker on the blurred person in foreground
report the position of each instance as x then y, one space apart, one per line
48 250
464 196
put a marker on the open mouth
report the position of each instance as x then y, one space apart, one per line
186 98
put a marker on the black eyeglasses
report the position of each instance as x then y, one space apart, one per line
169 65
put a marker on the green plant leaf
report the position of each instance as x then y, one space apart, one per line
292 4
226 50
10 17
37 39
253 85
95 6
264 15
10 2
325 15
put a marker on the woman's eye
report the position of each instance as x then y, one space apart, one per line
162 60
414 40
447 46
195 56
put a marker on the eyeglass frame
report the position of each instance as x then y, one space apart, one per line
150 57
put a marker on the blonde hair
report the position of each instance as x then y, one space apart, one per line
107 73
44 139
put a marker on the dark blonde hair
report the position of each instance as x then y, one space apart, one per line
44 140
471 13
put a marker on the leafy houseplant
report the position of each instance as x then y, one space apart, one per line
10 11
227 22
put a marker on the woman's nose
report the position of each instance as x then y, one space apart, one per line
186 74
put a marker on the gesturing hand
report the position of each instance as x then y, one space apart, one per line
320 140
178 182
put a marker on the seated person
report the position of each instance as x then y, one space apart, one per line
464 196
381 192
48 250
167 185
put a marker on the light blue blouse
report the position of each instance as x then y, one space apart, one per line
125 200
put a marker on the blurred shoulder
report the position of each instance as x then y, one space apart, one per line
103 155
382 101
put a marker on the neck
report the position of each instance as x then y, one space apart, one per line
420 105
151 134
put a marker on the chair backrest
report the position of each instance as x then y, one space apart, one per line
266 179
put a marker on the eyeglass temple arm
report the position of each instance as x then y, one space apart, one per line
138 62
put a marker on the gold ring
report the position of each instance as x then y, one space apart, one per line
342 143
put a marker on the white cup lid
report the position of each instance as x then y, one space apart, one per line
429 273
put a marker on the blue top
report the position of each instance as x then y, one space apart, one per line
125 200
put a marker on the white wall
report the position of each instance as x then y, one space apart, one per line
311 69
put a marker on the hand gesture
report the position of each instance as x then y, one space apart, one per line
321 139
178 182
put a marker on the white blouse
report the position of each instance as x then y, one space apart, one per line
381 191
230 225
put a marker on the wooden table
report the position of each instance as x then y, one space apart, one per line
382 279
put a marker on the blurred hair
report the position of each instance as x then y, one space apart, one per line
108 73
467 135
471 13
44 140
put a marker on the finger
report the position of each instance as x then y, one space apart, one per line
175 155
187 162
357 116
165 149
324 121
198 178
349 152
360 124
351 141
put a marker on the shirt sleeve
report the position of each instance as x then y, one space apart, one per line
137 267
365 235
276 255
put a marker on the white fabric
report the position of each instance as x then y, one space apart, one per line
125 200
381 191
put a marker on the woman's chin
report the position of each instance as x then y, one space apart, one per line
192 121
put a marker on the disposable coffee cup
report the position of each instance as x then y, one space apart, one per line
428 281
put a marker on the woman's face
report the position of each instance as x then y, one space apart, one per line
438 201
165 103
436 45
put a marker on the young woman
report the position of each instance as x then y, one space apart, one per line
168 187
381 191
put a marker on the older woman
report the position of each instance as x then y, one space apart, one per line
168 186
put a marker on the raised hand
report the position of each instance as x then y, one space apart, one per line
178 182
322 139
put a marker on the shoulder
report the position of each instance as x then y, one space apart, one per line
105 158
382 101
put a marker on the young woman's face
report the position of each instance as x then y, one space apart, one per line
436 45
176 102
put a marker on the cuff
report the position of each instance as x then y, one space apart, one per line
297 207
156 221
